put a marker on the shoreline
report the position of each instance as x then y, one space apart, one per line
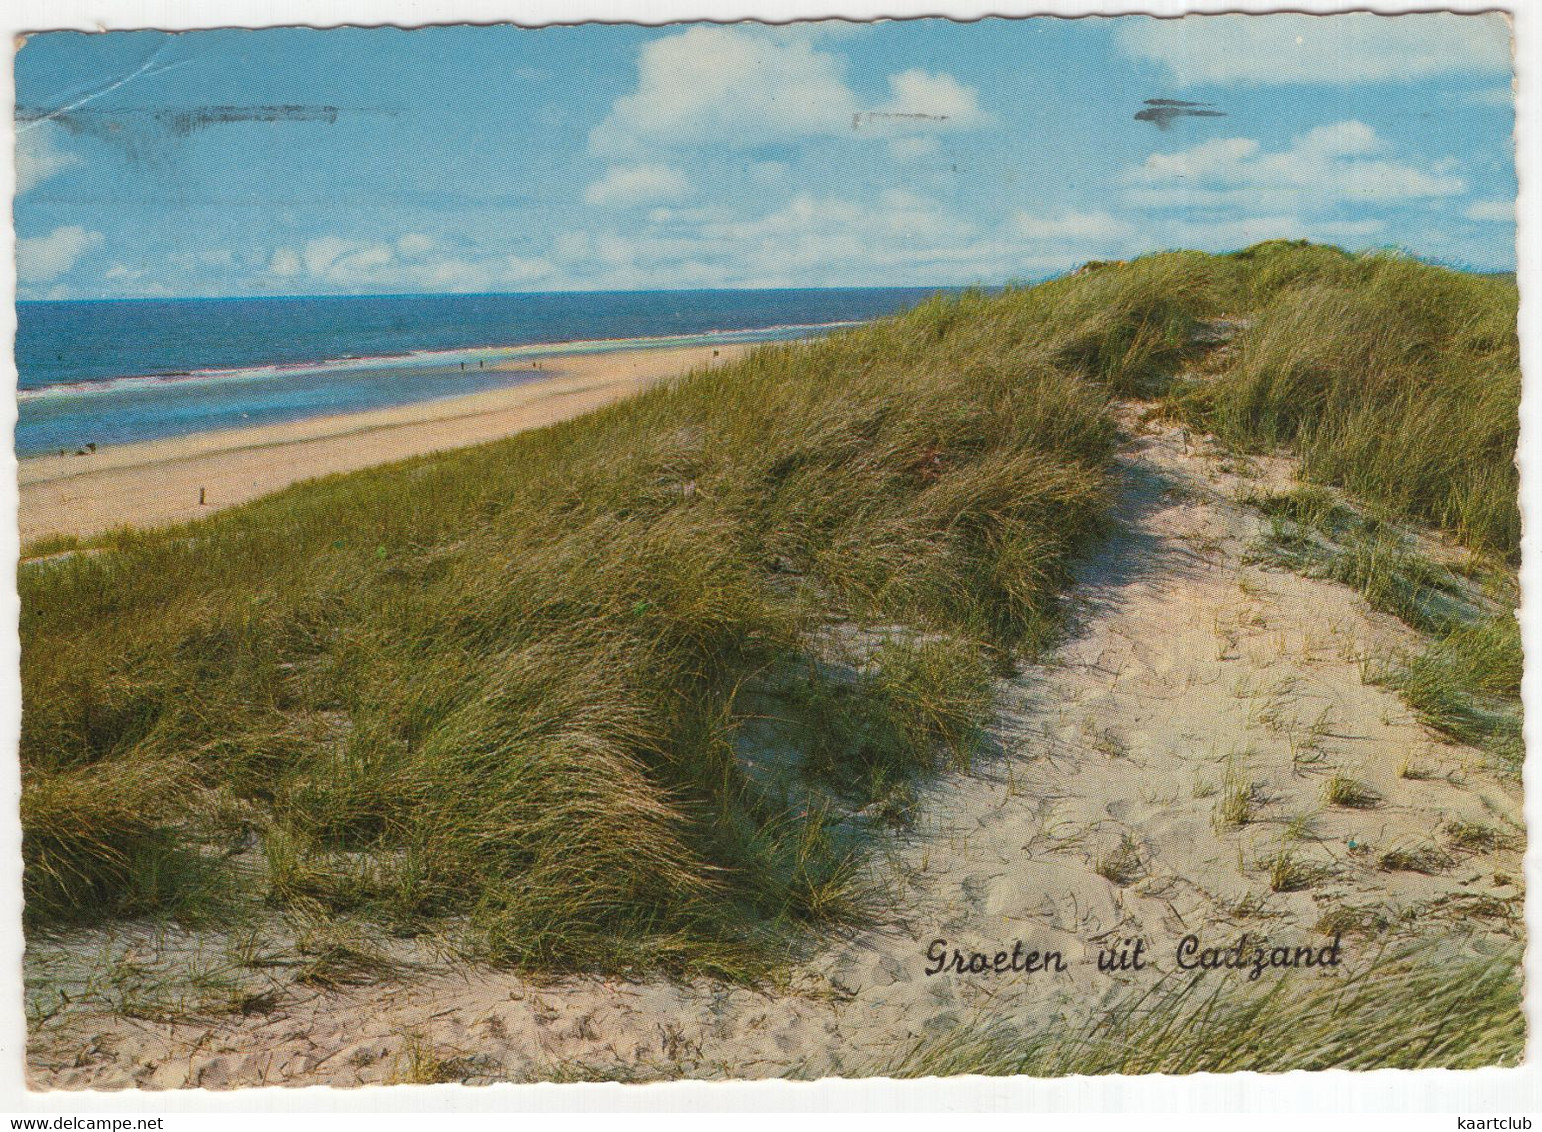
158 482
498 357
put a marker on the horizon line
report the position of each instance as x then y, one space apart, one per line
506 294
1435 261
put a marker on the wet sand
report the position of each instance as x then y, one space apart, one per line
159 482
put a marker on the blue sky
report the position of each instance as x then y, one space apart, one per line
294 161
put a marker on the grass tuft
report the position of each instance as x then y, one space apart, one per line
1289 873
1477 837
1341 790
1428 859
1239 797
1367 921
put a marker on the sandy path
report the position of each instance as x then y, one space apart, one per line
158 482
1188 669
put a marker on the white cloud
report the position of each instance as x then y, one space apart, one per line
1072 226
1490 247
898 216
629 185
1495 210
741 87
1337 49
285 262
1339 139
902 236
38 157
1327 165
1074 237
920 100
335 263
41 258
897 235
1218 157
810 240
724 84
197 260
332 257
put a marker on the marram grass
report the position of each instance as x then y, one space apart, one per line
519 689
1394 379
1419 1008
505 687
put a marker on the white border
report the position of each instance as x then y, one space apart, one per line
1483 1092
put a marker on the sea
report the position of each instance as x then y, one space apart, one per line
106 372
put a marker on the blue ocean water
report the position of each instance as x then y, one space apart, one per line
112 372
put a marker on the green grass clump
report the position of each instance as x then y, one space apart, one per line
1467 686
1488 655
1351 793
1393 379
50 545
421 1062
1313 533
1441 691
1428 859
912 708
1289 873
1466 682
1365 921
1419 1008
1238 801
1477 837
508 687
1305 505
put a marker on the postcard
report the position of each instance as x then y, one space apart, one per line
724 551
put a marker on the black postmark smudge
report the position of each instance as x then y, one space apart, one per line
1162 111
176 120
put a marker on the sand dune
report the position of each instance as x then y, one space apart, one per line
159 482
1192 673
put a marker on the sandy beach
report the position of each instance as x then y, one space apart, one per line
160 482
